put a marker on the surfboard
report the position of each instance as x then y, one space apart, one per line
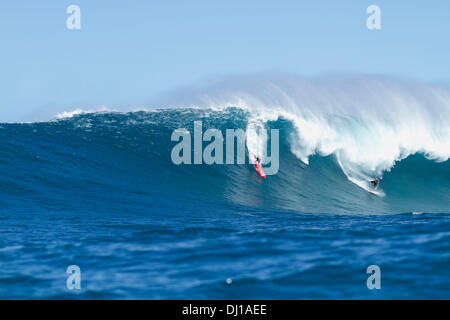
260 170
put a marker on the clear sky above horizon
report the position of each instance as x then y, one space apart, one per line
128 53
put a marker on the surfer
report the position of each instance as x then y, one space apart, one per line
258 168
375 183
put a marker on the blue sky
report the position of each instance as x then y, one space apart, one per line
128 53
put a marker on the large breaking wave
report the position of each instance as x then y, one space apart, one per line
367 123
334 137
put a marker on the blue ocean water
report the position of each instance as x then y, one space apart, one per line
99 190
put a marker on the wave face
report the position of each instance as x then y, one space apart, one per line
82 162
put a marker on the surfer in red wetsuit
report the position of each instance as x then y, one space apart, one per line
375 182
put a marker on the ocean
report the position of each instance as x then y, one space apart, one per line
99 190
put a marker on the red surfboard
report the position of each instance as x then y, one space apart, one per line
260 170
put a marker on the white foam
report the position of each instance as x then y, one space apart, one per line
70 114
